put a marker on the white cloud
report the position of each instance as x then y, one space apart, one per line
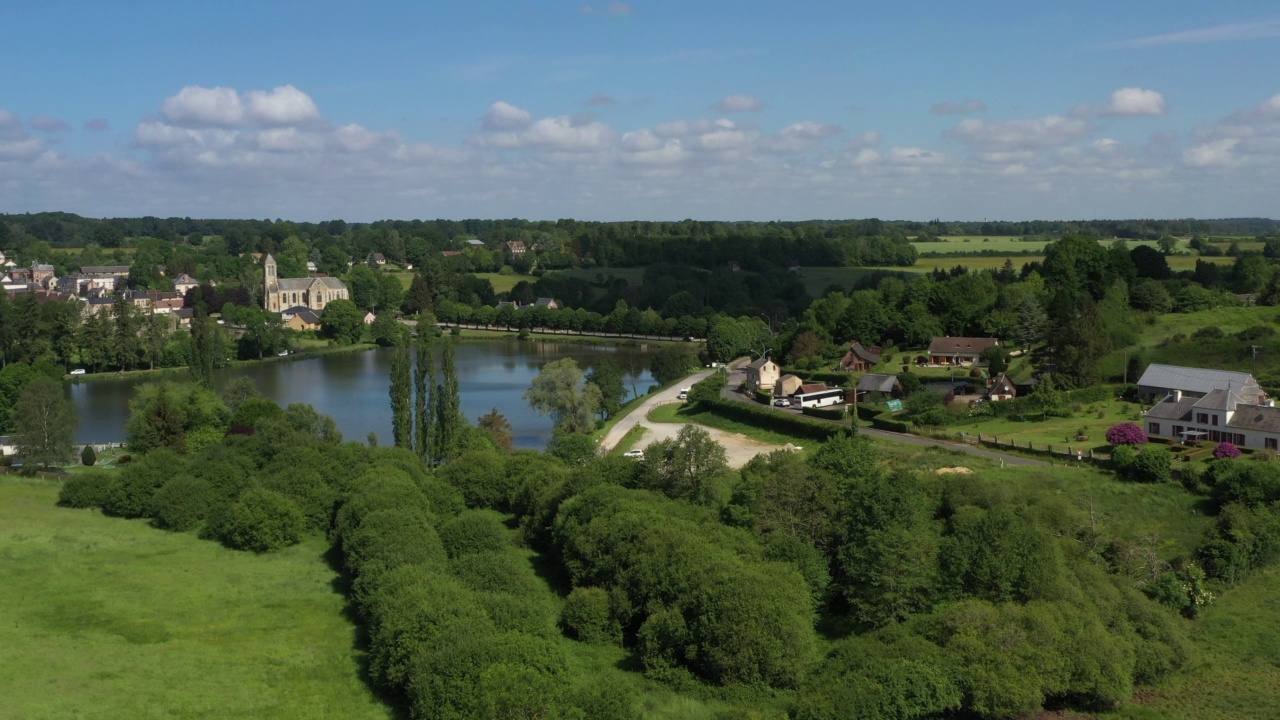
800 137
285 105
1218 33
505 116
1135 101
49 124
914 156
1042 132
1218 153
200 107
1125 102
738 103
864 140
960 107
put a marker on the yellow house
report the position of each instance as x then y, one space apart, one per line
762 374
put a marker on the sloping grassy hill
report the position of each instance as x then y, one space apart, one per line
109 618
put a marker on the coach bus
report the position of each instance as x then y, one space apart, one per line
819 398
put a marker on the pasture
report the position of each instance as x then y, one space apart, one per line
1009 244
110 618
504 283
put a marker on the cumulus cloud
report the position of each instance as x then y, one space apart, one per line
201 106
196 106
957 107
97 125
800 137
49 124
1125 102
504 116
1042 132
738 103
559 134
285 105
281 159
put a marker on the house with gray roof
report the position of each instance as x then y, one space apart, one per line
1221 415
964 351
879 385
1159 381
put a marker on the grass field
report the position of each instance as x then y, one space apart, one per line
1234 671
108 618
686 413
503 283
1227 353
633 276
1008 244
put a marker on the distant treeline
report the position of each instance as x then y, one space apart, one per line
608 244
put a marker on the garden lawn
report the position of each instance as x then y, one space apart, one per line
1056 431
110 618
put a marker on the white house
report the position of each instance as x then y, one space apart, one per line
1222 415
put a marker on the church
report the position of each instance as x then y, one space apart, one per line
279 294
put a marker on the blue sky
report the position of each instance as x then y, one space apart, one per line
641 110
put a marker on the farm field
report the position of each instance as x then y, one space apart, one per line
110 618
1007 244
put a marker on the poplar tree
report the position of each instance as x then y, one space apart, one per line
401 397
424 364
447 403
202 350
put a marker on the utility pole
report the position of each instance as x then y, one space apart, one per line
1253 367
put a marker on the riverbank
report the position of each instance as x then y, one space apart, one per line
295 355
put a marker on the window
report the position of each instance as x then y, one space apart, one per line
1215 419
1270 444
1202 418
1155 428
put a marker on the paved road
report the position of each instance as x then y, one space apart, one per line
638 415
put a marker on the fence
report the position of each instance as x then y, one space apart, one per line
1071 453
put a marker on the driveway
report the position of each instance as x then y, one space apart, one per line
738 448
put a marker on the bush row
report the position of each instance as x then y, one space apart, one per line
827 413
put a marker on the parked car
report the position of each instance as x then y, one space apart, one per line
78 371
637 454
782 402
684 394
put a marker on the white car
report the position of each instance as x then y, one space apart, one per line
782 402
637 454
78 371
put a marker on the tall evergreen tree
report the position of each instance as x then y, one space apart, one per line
401 397
125 331
423 363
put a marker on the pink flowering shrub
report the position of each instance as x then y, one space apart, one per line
1226 450
1126 434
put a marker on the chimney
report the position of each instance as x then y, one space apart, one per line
1176 395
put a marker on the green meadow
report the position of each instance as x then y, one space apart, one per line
109 618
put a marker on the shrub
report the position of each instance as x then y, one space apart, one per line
1126 433
1152 465
261 521
85 490
182 503
474 531
137 483
1226 451
1212 332
587 616
88 457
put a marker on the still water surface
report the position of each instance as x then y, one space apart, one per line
352 387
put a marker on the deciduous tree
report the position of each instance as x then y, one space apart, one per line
45 423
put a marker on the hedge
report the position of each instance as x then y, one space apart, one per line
881 422
763 397
828 413
772 419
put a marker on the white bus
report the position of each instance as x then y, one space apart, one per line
820 398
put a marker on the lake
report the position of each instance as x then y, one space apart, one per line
352 387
